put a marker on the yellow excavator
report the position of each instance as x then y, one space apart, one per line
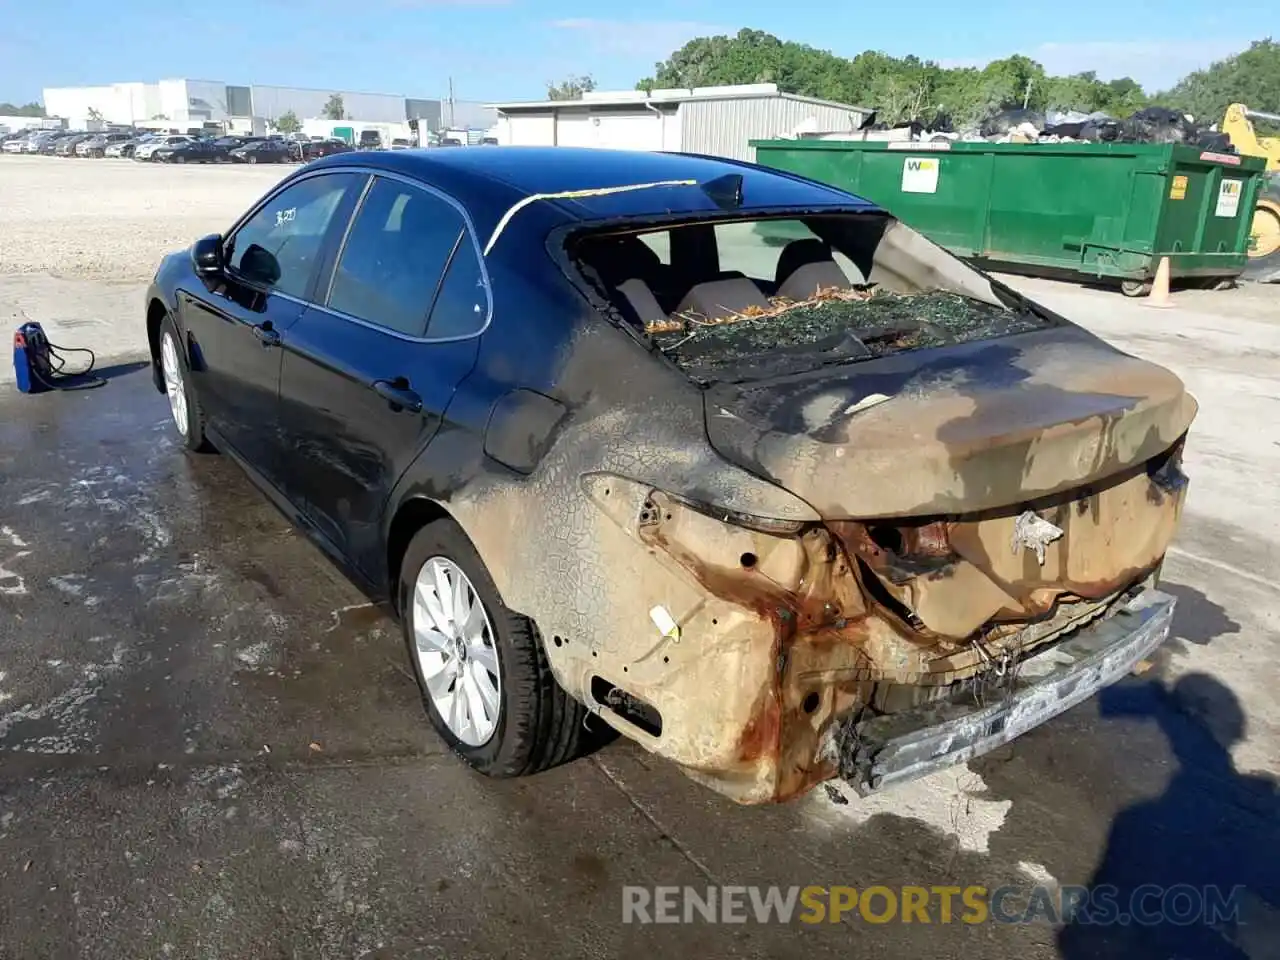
1264 236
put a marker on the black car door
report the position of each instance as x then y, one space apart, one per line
235 326
370 368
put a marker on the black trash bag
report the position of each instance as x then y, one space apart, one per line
1217 142
943 123
1100 131
1072 130
1158 125
915 126
1002 122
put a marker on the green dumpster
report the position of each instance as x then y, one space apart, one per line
1096 209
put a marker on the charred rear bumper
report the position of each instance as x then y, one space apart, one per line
889 750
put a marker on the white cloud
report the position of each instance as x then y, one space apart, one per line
1156 64
639 39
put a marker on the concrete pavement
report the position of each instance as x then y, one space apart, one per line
211 747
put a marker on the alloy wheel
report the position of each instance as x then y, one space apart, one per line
173 385
457 654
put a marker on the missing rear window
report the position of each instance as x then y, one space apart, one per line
746 299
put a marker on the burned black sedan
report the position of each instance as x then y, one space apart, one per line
724 459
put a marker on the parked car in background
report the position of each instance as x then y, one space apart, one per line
315 149
49 146
125 148
231 141
369 140
196 151
15 144
400 143
67 145
145 150
264 151
96 145
34 141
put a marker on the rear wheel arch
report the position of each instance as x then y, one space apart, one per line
410 517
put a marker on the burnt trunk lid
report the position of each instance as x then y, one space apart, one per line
956 430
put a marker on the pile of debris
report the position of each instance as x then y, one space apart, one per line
1148 125
690 320
837 324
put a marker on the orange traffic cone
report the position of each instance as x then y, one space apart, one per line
1159 296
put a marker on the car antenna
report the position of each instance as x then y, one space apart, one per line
725 192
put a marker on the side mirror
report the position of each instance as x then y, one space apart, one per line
260 266
206 256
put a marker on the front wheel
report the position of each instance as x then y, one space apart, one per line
1135 288
252 158
484 678
184 404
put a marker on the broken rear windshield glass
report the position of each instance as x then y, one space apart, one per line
833 327
749 299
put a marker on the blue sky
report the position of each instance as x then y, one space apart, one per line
508 49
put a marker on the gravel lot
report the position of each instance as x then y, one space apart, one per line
113 219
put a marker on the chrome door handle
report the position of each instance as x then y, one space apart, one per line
398 394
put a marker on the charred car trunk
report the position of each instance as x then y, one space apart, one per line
995 489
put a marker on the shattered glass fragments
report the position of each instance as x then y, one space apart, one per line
836 326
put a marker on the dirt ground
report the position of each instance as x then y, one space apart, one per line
112 220
209 746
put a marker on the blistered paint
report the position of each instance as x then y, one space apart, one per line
781 636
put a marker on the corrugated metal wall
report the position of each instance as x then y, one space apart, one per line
724 128
206 100
532 129
272 102
239 103
467 113
427 111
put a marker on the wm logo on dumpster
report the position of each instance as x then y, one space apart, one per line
920 174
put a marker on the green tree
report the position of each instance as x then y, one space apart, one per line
334 108
26 110
1124 96
288 122
908 88
1251 77
571 88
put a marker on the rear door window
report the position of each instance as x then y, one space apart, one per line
407 249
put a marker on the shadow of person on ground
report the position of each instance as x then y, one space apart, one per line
111 371
1213 833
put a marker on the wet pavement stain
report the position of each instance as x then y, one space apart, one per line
158 774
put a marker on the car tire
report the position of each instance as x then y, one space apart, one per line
537 724
179 158
252 158
188 415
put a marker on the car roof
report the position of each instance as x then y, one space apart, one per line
490 180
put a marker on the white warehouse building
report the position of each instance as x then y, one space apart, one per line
711 120
243 109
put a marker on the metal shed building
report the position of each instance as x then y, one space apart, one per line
712 120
